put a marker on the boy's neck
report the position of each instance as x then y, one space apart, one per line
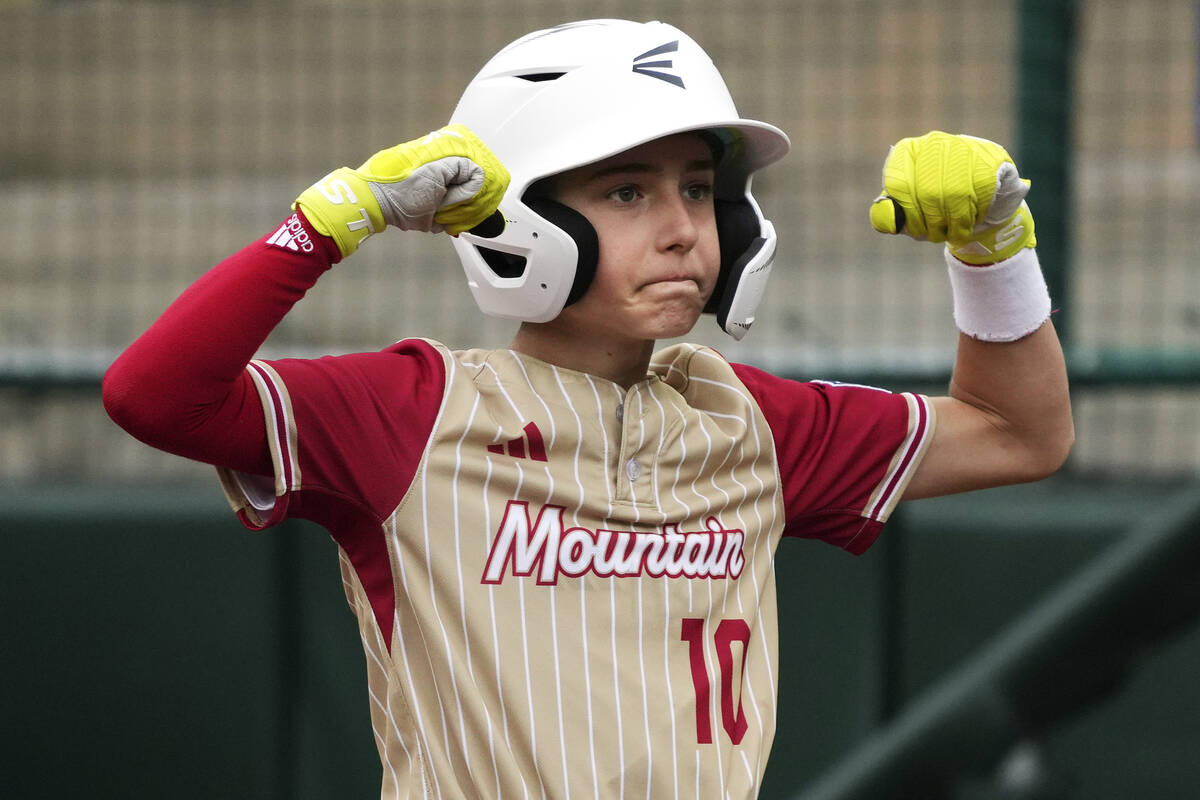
624 362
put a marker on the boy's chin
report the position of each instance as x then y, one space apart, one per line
673 325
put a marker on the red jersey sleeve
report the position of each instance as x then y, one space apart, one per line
341 430
182 386
845 453
334 440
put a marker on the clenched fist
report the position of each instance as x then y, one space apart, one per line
957 189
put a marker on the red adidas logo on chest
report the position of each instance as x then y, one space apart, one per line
529 444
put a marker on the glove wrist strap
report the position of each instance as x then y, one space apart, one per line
342 206
999 242
1002 302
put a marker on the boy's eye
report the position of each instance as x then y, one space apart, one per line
624 194
698 191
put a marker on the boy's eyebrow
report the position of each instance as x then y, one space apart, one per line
639 167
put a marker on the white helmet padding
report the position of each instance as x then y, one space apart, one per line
575 94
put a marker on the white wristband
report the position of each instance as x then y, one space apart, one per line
1002 302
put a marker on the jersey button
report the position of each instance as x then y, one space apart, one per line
620 412
633 469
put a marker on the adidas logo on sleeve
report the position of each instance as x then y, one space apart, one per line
292 236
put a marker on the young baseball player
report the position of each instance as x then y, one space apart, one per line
560 554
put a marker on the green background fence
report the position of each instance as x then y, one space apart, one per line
152 645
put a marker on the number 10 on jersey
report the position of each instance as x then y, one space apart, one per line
733 717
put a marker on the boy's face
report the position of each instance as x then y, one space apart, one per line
652 208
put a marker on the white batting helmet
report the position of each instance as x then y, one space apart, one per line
572 95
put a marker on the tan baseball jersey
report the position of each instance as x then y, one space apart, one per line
566 588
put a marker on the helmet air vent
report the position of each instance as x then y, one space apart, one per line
538 77
505 265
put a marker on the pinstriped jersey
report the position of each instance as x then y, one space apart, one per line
566 588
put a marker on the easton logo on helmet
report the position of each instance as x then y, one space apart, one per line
651 68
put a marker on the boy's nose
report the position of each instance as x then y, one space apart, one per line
679 229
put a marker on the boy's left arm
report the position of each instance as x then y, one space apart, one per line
1007 417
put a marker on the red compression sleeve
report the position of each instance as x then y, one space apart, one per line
182 386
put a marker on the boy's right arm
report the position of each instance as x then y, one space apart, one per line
182 386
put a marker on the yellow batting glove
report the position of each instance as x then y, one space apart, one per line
446 181
957 189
